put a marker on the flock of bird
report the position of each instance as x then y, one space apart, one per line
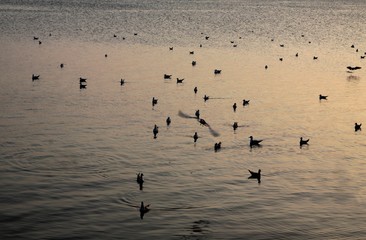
217 146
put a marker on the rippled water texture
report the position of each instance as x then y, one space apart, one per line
69 156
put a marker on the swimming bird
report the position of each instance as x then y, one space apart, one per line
155 131
194 63
122 81
82 86
195 90
353 68
35 38
35 77
82 80
235 125
266 67
205 98
282 45
303 142
114 35
167 76
105 55
217 71
140 180
171 48
322 97
195 137
217 146
39 42
191 52
168 121
61 65
254 142
143 210
315 58
245 102
256 175
197 114
154 101
358 127
281 59
297 54
180 80
207 37
234 107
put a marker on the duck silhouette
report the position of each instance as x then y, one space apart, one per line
256 175
303 142
235 125
155 131
254 142
358 127
122 81
205 98
180 80
61 65
195 90
194 63
168 121
143 210
217 71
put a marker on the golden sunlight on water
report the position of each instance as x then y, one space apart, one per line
70 156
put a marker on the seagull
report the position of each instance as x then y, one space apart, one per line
140 180
61 65
122 81
180 80
353 68
205 98
195 90
155 131
256 175
35 77
245 102
191 52
358 127
217 71
322 97
315 58
197 114
167 76
195 137
303 142
171 48
254 142
234 107
168 121
194 63
143 210
235 125
82 80
154 101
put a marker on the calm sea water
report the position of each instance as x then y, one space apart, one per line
69 156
